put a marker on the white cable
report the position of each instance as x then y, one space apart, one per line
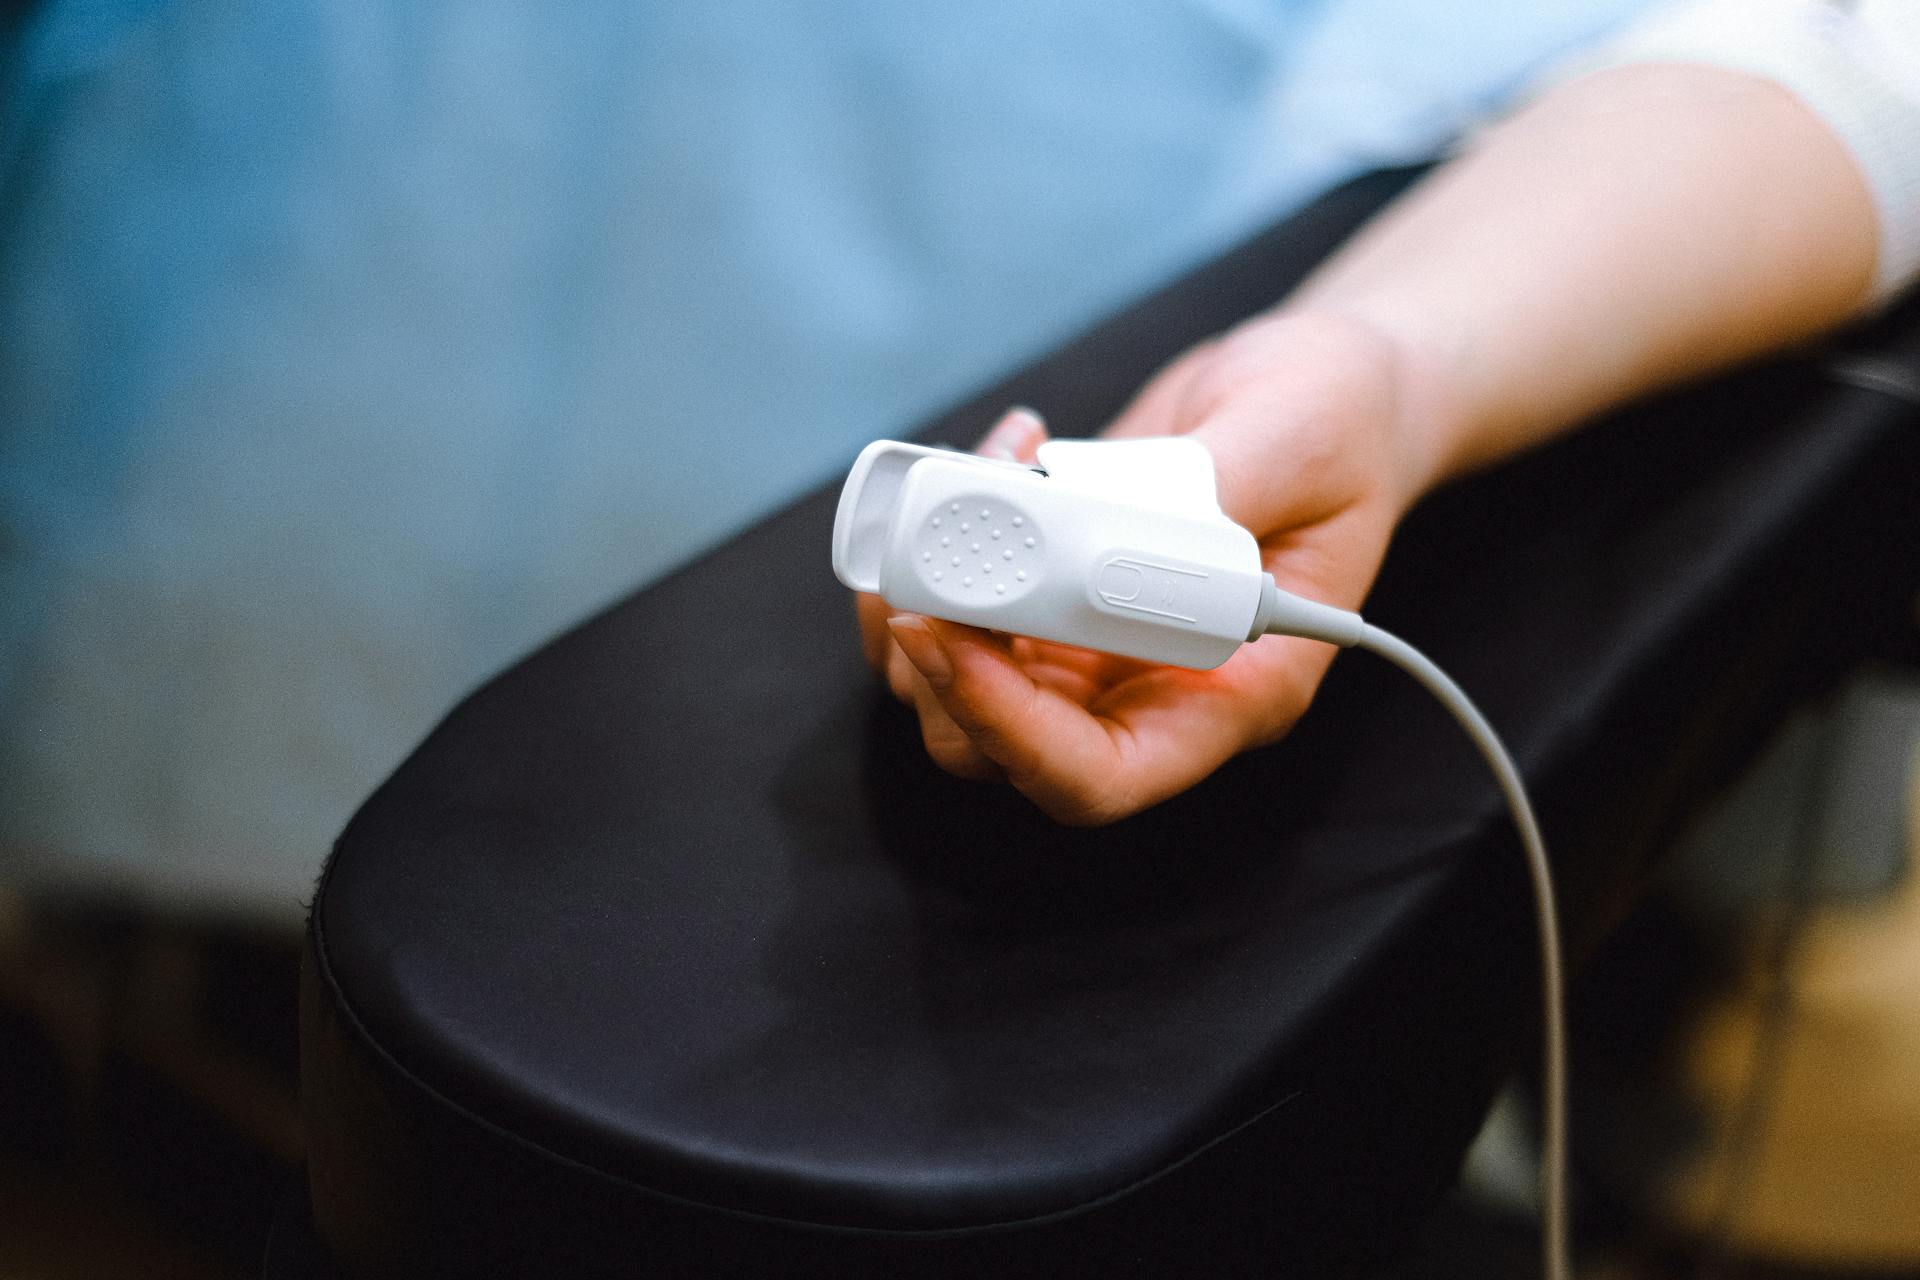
1553 1157
1284 614
1121 546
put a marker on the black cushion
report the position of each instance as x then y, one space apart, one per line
670 953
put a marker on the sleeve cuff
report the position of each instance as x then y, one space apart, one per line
1857 69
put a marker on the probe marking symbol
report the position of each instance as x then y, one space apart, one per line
1124 581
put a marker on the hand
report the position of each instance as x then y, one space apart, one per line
1306 418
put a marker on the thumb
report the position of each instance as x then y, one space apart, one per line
1253 477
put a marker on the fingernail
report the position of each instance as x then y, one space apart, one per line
1014 436
922 647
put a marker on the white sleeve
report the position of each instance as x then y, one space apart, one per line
1856 66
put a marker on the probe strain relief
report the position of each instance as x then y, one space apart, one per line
1281 613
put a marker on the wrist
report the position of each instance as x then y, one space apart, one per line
1426 401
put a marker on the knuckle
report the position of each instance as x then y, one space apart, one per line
1086 803
963 708
953 753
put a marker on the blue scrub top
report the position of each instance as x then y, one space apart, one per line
347 349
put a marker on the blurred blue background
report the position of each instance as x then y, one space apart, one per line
348 349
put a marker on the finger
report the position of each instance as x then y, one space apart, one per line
1069 682
1082 766
871 612
1017 437
902 679
1009 718
947 743
1198 719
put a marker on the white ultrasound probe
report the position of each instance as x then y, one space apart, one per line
1121 546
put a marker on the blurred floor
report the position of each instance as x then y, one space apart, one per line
148 1091
65 1225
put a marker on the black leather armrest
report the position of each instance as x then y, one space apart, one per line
670 953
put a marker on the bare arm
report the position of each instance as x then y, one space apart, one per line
1636 227
1640 226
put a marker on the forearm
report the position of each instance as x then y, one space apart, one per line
1637 227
